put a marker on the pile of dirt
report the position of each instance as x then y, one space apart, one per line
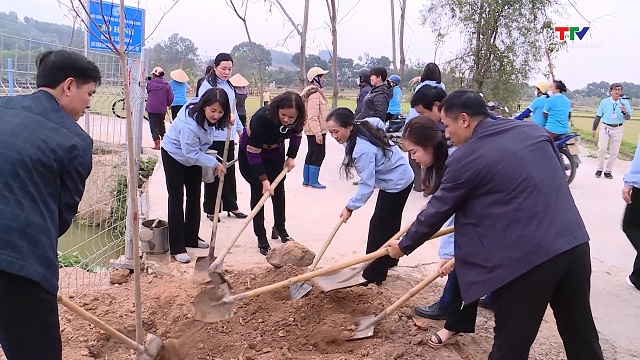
269 326
290 253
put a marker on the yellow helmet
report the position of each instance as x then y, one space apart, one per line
543 86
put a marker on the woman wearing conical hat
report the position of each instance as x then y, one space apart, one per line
179 86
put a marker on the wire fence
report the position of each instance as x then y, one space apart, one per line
97 234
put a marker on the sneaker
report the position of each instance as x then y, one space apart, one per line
607 175
432 312
630 283
182 258
202 244
598 173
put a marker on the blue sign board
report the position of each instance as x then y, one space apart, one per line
105 21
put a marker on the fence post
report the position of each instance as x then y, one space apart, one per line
10 71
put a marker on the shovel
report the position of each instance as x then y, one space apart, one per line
215 303
366 324
215 273
299 290
202 262
147 352
353 276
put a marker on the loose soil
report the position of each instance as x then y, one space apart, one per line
271 326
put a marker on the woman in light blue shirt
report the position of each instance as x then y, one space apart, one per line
179 86
380 164
219 77
535 109
631 219
183 156
557 110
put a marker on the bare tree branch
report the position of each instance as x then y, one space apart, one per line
394 60
403 16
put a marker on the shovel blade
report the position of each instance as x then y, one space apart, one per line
209 306
201 271
340 279
365 328
299 290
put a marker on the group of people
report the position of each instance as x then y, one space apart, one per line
526 247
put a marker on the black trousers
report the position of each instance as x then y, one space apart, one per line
156 123
417 173
243 119
385 222
174 111
184 223
29 325
273 169
631 227
315 152
562 281
229 192
461 318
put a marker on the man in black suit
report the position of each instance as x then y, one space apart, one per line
45 159
519 234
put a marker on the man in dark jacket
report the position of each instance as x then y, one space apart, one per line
376 103
518 231
159 99
45 159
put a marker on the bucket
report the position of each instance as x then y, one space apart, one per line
154 240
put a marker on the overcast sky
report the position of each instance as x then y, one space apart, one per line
609 52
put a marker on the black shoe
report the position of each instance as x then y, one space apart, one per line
598 173
284 237
366 283
483 303
607 175
210 217
264 249
237 213
432 312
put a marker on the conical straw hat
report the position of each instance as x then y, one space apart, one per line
179 75
238 80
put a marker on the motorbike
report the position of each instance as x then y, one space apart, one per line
569 153
394 129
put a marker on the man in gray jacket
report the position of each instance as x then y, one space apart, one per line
45 159
519 234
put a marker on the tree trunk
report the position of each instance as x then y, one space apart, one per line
547 52
303 44
132 182
393 37
333 16
403 60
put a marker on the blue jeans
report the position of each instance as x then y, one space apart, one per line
445 299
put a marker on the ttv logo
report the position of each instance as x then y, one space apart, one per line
573 31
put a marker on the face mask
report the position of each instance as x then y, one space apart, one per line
535 93
550 93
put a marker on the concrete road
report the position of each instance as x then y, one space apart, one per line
311 214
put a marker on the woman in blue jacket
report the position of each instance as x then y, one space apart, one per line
396 99
425 141
536 107
183 156
380 164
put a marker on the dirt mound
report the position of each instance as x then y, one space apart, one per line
269 326
290 253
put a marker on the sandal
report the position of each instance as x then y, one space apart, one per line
439 342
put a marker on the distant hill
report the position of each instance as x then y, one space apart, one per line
281 59
38 31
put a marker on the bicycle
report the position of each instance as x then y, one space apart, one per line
119 111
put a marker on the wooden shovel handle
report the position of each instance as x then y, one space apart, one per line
216 264
100 324
316 260
310 275
216 211
411 293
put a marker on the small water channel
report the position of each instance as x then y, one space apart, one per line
93 245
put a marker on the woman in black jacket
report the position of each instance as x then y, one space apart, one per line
376 103
261 158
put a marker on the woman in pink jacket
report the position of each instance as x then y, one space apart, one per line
315 126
